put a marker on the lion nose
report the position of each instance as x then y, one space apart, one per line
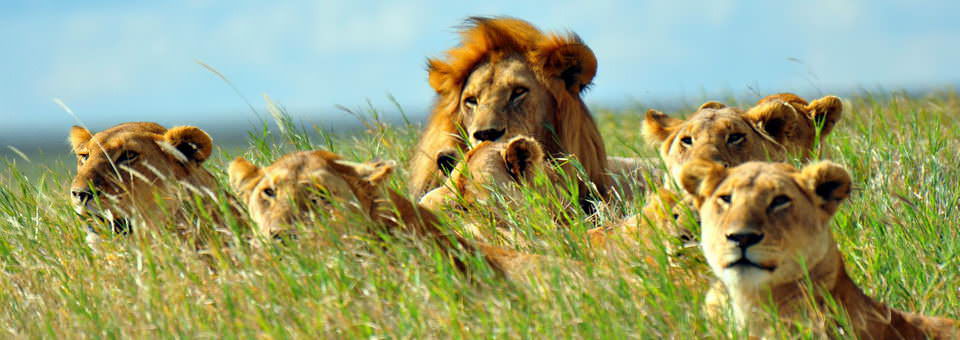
721 161
746 239
82 195
489 134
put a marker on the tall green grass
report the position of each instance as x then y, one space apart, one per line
899 233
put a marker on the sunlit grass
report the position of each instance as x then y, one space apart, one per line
899 233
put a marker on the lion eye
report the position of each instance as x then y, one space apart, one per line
778 203
269 192
735 138
688 141
320 200
83 157
724 198
470 101
127 157
320 196
517 93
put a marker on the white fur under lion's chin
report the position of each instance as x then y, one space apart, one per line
745 279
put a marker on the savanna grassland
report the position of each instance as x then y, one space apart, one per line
899 234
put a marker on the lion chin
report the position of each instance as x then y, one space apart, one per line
101 222
745 272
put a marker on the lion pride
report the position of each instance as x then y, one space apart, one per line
507 78
142 174
766 235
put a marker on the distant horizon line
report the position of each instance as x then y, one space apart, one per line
230 122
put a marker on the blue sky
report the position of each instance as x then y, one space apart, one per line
115 61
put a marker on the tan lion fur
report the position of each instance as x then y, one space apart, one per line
786 213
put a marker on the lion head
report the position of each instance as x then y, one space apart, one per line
301 186
125 171
776 127
766 234
489 167
505 79
766 224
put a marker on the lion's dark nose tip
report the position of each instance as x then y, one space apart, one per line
745 239
720 161
83 195
489 134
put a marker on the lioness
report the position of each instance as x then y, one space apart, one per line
507 78
488 167
766 232
493 173
301 187
776 127
142 174
302 184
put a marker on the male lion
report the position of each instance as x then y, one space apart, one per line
142 174
766 235
301 187
507 78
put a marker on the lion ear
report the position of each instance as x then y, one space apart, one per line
440 76
243 175
712 105
374 173
700 178
825 112
569 59
447 160
657 127
192 143
78 137
522 156
775 118
829 181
